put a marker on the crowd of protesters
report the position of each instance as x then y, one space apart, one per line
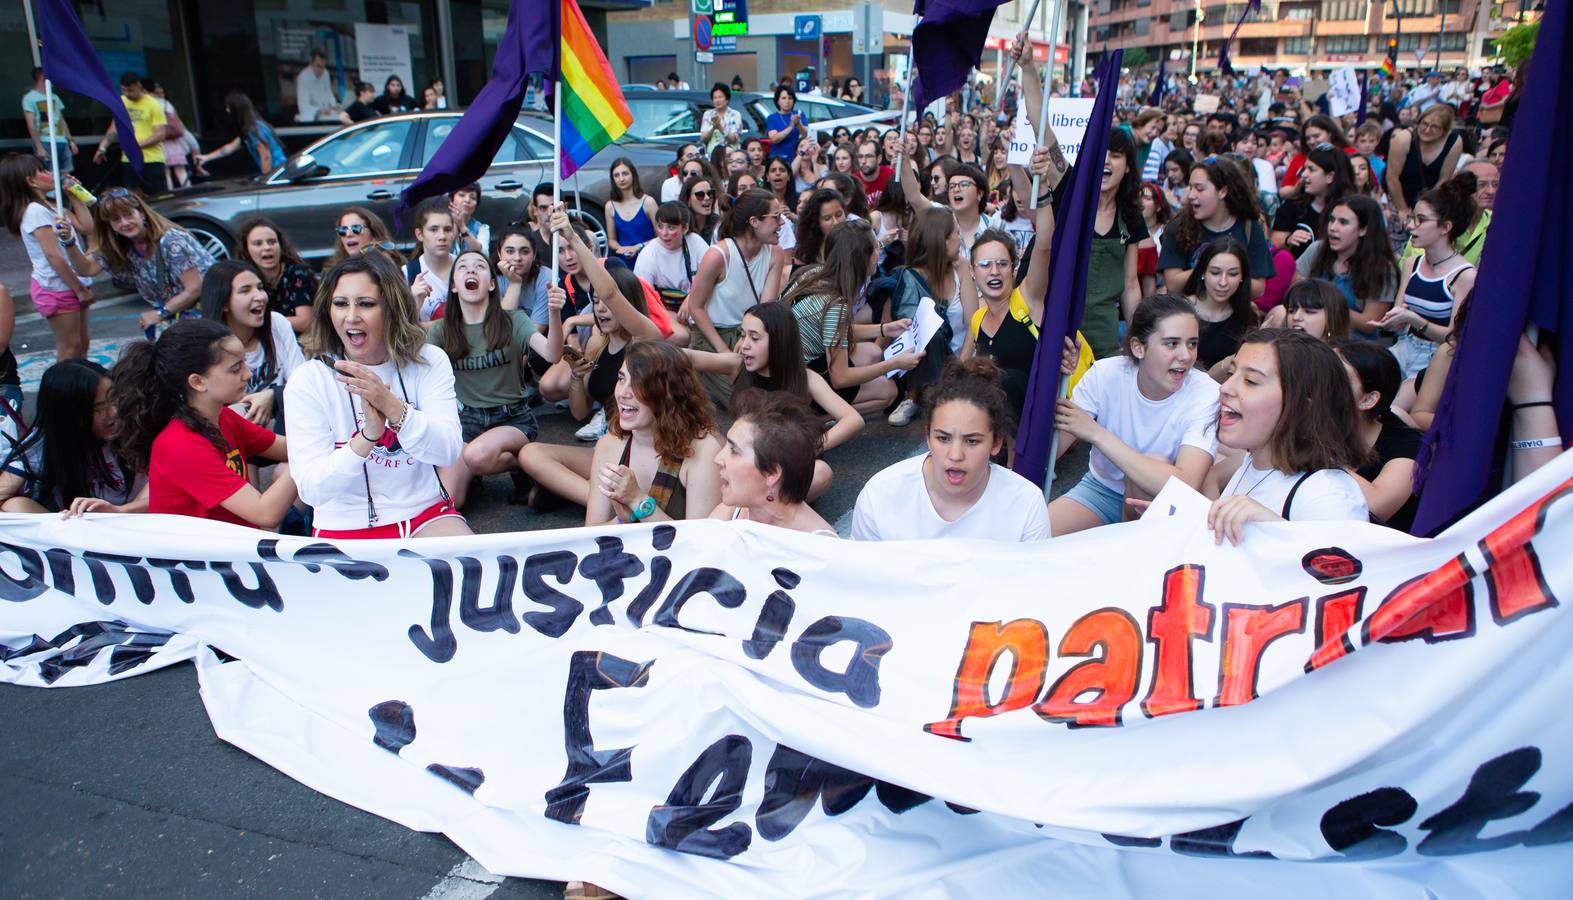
1273 296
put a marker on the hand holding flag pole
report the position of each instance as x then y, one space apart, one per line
1043 127
1010 63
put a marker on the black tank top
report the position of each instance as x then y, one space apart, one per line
1417 176
603 378
1012 345
1218 341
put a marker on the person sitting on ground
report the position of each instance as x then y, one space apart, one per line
1357 258
630 213
1438 278
765 475
1288 406
1221 294
173 400
469 232
1314 307
1148 414
290 284
232 295
358 229
66 462
955 490
1387 477
670 262
431 265
524 278
656 461
374 414
488 346
769 357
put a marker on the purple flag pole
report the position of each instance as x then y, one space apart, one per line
1066 297
1523 283
68 60
1010 64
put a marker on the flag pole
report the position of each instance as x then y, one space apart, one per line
906 99
557 162
49 99
1043 125
1010 61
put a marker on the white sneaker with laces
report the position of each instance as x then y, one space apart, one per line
904 413
594 428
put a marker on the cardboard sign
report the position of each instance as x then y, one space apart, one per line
1068 116
1343 92
1023 139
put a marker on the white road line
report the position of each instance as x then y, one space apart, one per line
468 880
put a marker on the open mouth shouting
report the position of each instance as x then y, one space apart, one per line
955 475
355 337
1228 416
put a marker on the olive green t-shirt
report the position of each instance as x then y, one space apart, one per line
485 378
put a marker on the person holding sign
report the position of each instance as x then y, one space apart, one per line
955 489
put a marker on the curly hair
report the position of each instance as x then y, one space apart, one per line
664 381
1186 230
975 381
401 321
148 387
810 238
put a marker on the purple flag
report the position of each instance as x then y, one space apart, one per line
69 62
1225 65
947 44
528 47
1067 294
1523 280
1157 90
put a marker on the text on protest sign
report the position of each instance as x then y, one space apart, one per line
1069 117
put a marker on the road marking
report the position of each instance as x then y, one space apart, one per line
468 880
31 366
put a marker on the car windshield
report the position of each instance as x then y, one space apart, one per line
659 118
365 151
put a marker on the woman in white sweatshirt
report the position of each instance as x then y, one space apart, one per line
375 411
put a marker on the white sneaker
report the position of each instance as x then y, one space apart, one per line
594 428
904 413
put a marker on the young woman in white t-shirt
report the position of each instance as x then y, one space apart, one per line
233 295
1288 406
955 490
1148 413
59 294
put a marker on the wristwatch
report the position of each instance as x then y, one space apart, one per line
643 510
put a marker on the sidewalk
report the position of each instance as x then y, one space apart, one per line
16 272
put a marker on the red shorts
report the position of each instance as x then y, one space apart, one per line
439 510
51 303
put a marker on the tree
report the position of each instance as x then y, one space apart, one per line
1517 43
1135 57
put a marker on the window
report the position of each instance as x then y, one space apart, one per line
512 151
1295 46
1408 42
1297 13
366 151
1454 42
1345 10
1344 43
535 146
1141 27
656 116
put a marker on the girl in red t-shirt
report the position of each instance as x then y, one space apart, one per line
173 399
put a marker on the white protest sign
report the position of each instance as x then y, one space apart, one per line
1205 104
726 709
384 50
1343 92
1023 139
918 334
1068 117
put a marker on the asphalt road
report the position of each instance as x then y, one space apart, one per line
123 789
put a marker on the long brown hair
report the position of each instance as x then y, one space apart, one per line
664 380
116 249
785 356
401 320
1373 270
926 251
1318 426
15 192
288 255
495 325
375 227
1186 230
845 272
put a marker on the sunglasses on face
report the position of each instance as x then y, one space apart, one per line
346 230
115 193
703 195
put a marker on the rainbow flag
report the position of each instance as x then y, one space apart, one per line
593 112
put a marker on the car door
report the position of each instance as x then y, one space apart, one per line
515 170
364 165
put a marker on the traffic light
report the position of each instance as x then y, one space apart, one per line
1390 62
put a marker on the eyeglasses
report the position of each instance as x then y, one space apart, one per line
991 264
345 230
703 195
1323 147
1423 220
956 183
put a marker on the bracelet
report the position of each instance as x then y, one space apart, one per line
1518 406
882 329
369 439
1535 444
404 416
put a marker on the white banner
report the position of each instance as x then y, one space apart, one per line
1068 118
1330 709
384 50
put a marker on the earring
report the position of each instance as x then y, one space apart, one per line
770 498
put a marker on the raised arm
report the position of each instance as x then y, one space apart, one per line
601 284
1032 95
1036 284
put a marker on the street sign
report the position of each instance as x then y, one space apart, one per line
704 56
868 28
1420 55
703 37
805 28
701 7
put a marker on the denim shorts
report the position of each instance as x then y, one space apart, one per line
1105 502
477 420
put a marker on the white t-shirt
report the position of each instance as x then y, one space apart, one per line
664 268
38 216
671 188
1328 495
398 473
1266 176
1186 418
895 506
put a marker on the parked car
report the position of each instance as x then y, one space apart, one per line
673 117
370 163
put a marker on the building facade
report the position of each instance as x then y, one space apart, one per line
1306 34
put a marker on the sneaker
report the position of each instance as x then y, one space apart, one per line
596 427
904 413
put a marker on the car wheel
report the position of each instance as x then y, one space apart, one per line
209 238
592 223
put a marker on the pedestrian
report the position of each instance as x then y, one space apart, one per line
1421 158
35 115
58 286
148 125
146 252
373 411
629 214
768 464
290 284
487 346
65 462
1005 321
435 94
316 97
177 139
363 108
393 99
172 398
955 490
233 296
721 125
785 127
251 131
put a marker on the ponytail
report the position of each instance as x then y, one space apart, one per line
753 203
1454 202
975 381
148 388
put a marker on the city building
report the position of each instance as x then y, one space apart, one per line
1306 34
